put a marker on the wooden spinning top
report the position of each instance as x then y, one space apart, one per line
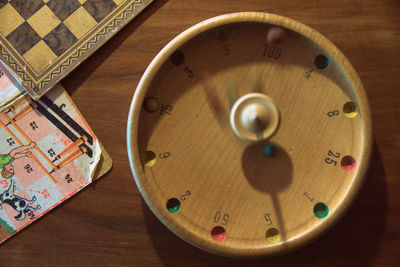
249 134
254 117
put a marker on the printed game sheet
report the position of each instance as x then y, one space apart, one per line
10 88
47 154
43 40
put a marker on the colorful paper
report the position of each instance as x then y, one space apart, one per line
47 154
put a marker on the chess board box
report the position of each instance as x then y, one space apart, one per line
41 41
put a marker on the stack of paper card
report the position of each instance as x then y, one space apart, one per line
47 153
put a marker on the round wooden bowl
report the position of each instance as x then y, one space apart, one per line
201 160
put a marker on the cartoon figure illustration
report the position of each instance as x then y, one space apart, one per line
16 202
6 160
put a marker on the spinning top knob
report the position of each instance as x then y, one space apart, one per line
254 117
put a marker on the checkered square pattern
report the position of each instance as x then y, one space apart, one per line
63 8
39 56
43 39
10 19
43 21
60 39
80 22
23 38
99 9
26 8
42 30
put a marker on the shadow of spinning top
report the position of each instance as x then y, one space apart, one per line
268 174
254 118
271 175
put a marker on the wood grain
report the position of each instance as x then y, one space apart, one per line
109 223
231 183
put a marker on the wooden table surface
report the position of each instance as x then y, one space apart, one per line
108 223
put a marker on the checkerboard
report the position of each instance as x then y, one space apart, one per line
43 40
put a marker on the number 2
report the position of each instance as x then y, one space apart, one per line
336 155
183 197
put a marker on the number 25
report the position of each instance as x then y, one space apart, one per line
331 155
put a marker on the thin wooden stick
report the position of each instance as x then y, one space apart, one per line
68 149
24 111
74 155
17 104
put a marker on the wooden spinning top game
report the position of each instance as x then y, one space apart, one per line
249 134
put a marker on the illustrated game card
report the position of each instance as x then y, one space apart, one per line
47 154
